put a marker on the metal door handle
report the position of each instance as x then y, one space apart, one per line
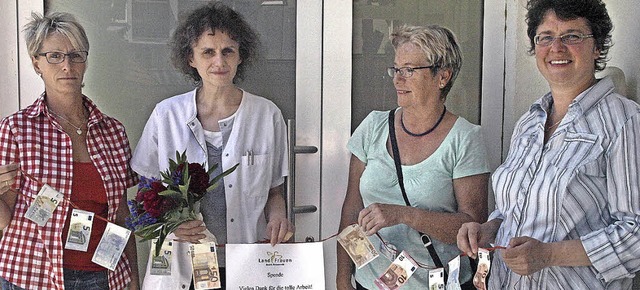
292 209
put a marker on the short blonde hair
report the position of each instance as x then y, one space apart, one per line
438 44
40 27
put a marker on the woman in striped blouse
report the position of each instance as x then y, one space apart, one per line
567 205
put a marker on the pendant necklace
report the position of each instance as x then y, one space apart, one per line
78 128
547 129
553 125
425 132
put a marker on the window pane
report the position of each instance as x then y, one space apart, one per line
372 52
129 66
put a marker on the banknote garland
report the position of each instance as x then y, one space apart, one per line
404 265
113 241
402 260
73 205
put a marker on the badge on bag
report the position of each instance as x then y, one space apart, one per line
43 206
79 230
111 246
161 264
436 279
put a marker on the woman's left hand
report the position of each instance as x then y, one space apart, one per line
280 230
379 215
526 255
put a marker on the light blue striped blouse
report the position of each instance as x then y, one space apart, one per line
583 184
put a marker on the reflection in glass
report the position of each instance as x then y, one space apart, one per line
129 66
373 20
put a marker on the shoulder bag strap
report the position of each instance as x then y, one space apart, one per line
426 240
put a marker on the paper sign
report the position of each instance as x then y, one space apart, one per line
282 267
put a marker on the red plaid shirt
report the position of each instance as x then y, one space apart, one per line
31 256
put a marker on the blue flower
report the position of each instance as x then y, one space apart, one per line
137 222
145 183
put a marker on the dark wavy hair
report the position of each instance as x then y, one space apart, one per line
214 16
593 11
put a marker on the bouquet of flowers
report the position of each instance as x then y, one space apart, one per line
161 206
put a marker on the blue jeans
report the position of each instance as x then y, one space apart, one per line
73 279
84 280
8 286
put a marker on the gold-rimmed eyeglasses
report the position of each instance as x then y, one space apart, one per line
405 72
56 57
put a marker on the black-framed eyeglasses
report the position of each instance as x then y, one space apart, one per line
569 38
56 57
405 72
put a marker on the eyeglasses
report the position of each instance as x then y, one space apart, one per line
405 72
55 57
568 39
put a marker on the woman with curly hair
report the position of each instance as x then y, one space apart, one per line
219 123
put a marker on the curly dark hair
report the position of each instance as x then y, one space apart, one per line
593 11
214 16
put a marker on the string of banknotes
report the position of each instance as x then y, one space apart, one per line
362 251
204 255
114 238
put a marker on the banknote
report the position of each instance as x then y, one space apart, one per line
111 246
397 273
79 230
357 245
453 281
484 264
204 259
436 279
161 264
43 206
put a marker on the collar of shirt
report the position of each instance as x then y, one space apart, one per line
40 108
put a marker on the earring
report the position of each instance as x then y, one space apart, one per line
441 86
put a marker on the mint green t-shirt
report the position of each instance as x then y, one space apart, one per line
429 185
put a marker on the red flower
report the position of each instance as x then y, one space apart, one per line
151 200
199 180
168 204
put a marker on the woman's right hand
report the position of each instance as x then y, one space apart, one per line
473 235
7 176
190 231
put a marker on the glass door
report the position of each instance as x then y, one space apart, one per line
130 71
322 64
129 65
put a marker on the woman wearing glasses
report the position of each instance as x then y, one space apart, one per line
62 140
442 157
567 201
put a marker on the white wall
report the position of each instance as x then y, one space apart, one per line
8 52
